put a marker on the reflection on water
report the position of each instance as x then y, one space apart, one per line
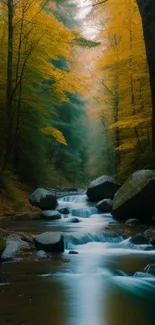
96 287
64 298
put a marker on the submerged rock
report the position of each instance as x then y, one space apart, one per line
133 222
74 220
150 268
73 253
102 188
139 239
50 242
105 205
63 211
142 275
52 215
43 199
136 197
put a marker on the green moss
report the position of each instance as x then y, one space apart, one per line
133 185
2 244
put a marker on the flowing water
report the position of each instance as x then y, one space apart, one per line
95 287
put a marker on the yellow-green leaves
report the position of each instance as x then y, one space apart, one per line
55 133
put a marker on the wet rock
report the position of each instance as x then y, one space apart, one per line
41 254
102 188
73 253
150 268
139 239
27 238
136 197
152 241
13 244
105 205
68 189
63 211
2 245
142 275
43 199
74 220
50 242
133 222
150 233
52 215
149 248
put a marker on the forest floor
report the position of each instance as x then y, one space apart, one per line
14 199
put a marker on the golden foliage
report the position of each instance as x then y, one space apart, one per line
125 103
55 133
38 39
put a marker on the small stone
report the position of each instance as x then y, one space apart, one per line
74 220
51 215
73 253
41 254
63 211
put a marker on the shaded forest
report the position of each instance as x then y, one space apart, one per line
76 101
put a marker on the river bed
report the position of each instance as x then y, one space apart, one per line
95 287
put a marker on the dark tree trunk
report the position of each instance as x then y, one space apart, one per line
9 71
147 11
9 106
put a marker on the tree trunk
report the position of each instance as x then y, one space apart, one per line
9 72
147 11
9 106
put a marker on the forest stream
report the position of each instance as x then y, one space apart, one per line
97 286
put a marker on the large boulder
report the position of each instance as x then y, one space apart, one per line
102 188
43 199
136 197
105 205
51 215
50 242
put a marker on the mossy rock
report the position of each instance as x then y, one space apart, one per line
2 244
136 198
